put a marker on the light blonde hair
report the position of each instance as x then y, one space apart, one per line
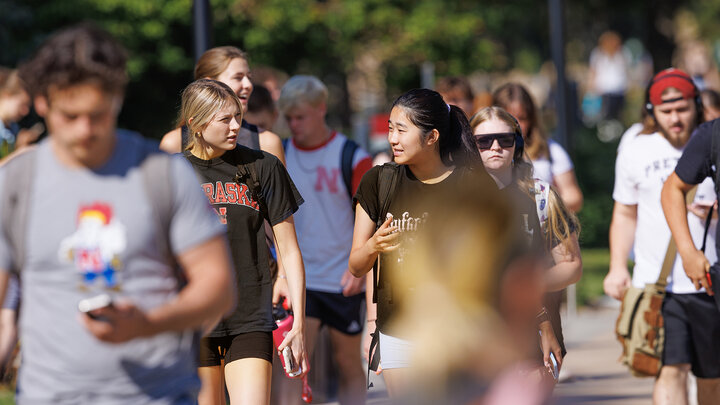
302 89
214 61
201 100
522 168
561 222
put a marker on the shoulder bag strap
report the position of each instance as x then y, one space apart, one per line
669 260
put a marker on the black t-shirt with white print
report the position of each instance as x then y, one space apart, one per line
236 209
410 207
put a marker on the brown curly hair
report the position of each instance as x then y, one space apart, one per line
80 54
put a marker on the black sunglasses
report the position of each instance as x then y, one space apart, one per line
505 140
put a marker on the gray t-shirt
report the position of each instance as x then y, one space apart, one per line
92 232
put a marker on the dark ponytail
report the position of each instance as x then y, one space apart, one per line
427 110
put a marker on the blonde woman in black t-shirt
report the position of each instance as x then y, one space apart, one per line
433 146
242 341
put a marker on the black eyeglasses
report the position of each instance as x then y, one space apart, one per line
505 140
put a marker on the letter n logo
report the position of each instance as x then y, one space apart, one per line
329 180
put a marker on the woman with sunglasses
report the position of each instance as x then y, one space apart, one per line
550 161
238 353
499 140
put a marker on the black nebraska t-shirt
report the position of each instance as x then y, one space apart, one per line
240 213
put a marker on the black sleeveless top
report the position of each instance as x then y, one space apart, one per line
248 136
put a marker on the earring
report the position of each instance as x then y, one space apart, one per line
197 134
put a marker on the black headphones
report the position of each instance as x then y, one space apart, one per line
698 100
519 140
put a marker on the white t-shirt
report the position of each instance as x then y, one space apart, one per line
324 224
559 162
610 72
641 168
629 135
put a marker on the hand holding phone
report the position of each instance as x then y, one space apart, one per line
89 305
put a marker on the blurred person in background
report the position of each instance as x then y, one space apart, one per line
238 352
550 161
642 166
695 57
471 304
229 65
261 110
14 105
499 142
433 146
271 78
327 167
609 68
711 104
457 91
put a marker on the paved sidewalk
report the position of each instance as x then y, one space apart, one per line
597 378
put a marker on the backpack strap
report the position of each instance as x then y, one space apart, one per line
387 182
247 174
714 155
19 180
156 169
346 164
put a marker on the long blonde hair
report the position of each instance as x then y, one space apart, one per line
561 222
201 100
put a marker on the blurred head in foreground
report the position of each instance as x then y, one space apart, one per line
474 295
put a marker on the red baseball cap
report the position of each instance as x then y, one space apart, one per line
674 78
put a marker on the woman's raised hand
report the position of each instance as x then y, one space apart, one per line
385 239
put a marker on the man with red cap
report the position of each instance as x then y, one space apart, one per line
692 323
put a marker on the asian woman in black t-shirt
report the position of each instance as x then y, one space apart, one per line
242 341
433 146
500 143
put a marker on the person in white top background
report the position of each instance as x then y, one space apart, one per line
609 74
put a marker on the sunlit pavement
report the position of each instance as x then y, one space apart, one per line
596 376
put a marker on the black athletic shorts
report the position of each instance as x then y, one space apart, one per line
692 333
257 345
336 310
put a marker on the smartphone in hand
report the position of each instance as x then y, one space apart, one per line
89 305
